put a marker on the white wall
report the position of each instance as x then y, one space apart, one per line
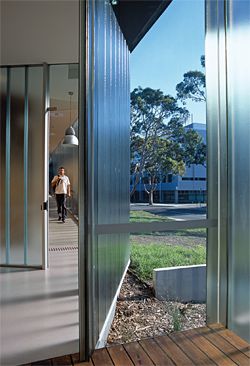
39 31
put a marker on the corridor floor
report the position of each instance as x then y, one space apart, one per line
39 309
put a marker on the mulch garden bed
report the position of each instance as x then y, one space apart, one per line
140 315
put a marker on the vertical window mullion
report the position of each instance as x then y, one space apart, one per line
26 139
7 177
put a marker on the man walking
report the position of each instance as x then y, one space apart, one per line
61 184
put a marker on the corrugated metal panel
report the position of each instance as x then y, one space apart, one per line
105 162
228 95
22 156
217 162
238 81
111 119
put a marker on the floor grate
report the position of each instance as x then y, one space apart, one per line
62 249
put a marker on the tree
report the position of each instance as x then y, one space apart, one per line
195 149
193 85
159 142
160 159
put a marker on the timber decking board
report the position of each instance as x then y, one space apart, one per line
137 354
238 357
62 361
173 351
76 362
101 358
192 351
157 355
209 348
232 338
119 356
213 345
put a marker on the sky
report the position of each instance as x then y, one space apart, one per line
172 47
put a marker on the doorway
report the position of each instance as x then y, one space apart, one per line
39 308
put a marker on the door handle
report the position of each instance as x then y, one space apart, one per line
44 206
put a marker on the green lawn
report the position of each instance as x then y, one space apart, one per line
144 216
154 254
144 258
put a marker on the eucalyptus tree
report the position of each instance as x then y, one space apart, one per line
159 142
193 85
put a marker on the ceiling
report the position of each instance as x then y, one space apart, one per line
63 79
60 120
137 17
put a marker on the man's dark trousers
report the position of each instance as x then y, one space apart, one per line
61 205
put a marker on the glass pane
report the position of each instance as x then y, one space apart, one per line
3 86
165 288
35 164
17 87
168 117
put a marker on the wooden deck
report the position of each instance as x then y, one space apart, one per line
212 345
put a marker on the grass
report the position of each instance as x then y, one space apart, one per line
144 216
176 315
201 232
146 257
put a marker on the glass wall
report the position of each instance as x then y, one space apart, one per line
168 169
168 112
168 166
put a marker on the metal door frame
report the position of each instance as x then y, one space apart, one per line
46 101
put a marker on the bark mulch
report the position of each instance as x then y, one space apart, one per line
140 315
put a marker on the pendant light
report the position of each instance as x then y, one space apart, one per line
70 138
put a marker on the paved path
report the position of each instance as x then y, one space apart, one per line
39 309
178 212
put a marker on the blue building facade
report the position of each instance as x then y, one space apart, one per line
189 188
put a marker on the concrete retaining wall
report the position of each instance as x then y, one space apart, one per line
185 283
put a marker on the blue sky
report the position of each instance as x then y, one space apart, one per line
172 47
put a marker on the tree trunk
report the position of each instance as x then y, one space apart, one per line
151 197
137 180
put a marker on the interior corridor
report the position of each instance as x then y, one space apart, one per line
39 309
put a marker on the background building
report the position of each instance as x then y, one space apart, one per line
189 188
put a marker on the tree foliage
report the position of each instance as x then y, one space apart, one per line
193 85
159 142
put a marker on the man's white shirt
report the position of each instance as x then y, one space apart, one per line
61 187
